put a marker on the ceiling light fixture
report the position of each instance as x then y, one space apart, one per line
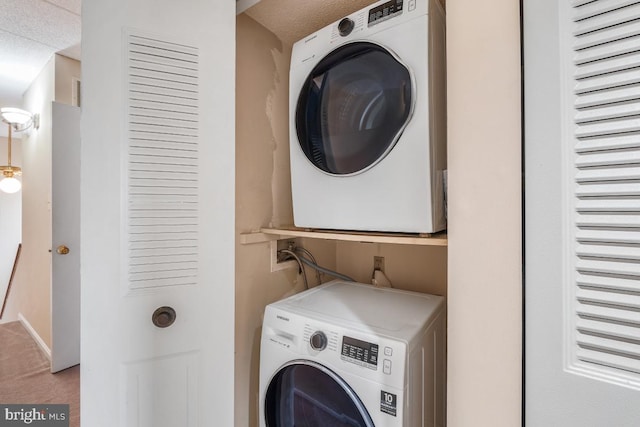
9 183
18 121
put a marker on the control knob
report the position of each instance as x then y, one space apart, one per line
345 27
318 341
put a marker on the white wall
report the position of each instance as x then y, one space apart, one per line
10 220
485 230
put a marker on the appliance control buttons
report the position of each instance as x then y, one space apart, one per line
318 341
386 366
412 5
346 26
388 351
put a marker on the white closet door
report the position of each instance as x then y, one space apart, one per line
157 213
582 214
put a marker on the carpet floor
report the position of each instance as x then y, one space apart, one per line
25 375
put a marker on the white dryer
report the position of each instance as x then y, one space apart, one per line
367 105
351 355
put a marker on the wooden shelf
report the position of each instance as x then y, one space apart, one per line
268 234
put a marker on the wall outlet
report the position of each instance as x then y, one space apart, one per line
378 263
277 245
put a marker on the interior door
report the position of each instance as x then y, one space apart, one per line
65 213
582 213
157 227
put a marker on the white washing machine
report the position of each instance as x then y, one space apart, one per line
367 106
352 355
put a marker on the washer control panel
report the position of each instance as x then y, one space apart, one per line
369 356
360 352
385 11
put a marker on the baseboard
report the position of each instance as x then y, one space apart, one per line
35 336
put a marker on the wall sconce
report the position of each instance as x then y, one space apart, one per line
18 120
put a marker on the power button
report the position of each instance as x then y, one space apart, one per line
412 5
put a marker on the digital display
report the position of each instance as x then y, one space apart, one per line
385 11
360 351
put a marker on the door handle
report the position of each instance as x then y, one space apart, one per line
62 250
163 317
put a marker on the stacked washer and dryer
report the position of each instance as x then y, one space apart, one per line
368 152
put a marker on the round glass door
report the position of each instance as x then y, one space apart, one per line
308 394
353 107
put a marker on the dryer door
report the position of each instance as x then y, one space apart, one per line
304 393
353 107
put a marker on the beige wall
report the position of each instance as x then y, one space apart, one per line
412 268
66 70
263 198
485 264
31 291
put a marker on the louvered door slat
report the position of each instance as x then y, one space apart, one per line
608 190
613 284
607 50
608 206
606 220
595 8
611 65
608 35
608 236
620 127
625 301
618 267
616 253
607 143
609 221
608 81
610 315
611 158
619 95
163 167
597 175
606 20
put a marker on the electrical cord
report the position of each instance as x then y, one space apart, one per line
302 260
310 255
326 270
300 265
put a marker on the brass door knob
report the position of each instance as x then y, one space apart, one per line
62 250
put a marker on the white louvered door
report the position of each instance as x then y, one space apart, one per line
582 215
158 213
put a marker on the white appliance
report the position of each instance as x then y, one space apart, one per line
348 354
367 105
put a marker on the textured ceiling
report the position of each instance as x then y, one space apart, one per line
31 31
291 20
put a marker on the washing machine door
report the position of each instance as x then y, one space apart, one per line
304 393
353 107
